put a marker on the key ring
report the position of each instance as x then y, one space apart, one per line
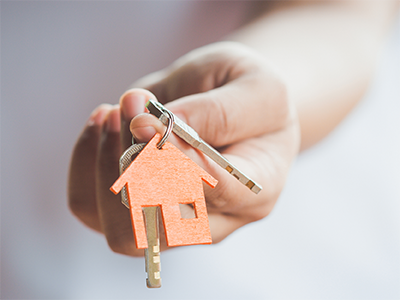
171 121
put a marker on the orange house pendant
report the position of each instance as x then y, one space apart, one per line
166 178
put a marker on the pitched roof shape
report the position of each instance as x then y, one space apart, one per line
167 178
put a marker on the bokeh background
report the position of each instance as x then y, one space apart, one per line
334 234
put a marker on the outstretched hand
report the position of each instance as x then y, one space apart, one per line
235 101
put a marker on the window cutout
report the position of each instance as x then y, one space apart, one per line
187 211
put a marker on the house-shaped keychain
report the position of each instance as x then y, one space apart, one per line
166 178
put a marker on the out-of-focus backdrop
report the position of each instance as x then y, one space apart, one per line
334 234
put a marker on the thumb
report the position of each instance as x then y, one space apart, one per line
246 107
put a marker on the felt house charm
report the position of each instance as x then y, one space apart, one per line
166 178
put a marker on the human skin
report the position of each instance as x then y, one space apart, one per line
252 101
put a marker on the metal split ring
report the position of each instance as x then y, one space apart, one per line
171 121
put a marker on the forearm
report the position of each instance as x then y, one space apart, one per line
326 52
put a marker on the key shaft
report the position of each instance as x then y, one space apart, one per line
152 252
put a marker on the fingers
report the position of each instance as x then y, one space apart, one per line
95 167
274 154
114 216
230 205
81 183
132 103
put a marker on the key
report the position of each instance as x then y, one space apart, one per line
152 252
158 176
124 161
151 218
190 136
161 176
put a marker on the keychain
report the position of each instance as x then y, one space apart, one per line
155 178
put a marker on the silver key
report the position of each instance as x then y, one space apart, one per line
189 135
151 218
124 161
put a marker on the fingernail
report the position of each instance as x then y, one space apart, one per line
97 116
132 105
143 133
113 121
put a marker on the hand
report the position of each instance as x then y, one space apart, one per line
236 102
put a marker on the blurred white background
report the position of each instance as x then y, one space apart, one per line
334 234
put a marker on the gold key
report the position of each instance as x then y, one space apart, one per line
151 218
152 252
